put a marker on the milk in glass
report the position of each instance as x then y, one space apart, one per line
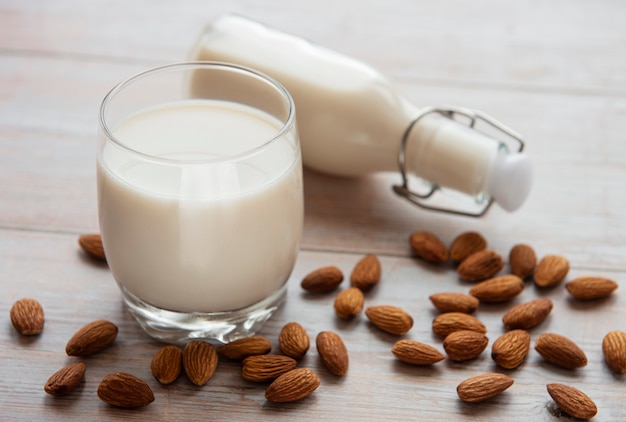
210 218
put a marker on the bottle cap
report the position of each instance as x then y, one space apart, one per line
510 180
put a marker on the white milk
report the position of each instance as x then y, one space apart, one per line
198 237
351 120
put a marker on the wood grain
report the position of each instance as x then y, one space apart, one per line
554 71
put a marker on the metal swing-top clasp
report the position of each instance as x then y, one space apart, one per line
472 118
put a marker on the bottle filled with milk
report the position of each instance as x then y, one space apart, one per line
352 121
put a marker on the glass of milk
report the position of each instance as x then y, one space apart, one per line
200 198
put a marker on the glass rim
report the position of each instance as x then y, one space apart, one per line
287 123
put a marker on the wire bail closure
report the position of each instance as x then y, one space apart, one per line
449 112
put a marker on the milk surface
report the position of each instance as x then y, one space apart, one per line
216 230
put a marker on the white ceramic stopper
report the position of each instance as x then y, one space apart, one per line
510 180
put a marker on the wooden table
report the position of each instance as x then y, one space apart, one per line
555 71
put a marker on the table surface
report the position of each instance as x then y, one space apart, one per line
555 71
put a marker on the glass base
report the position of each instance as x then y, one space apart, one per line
180 327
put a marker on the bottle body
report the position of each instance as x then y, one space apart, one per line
352 121
350 118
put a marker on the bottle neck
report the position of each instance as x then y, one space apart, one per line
449 154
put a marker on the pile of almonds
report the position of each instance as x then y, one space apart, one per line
463 335
198 359
118 389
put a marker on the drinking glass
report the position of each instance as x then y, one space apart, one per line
200 199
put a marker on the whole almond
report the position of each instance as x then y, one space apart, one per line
65 380
294 340
483 387
527 315
590 288
523 260
454 302
199 361
450 322
167 364
366 273
293 385
333 352
560 351
429 247
91 244
614 350
27 317
416 353
498 289
322 280
391 319
511 348
264 368
349 303
124 390
244 347
91 338
480 265
551 270
572 401
464 345
466 244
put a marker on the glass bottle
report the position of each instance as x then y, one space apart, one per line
352 121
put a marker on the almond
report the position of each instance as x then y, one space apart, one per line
366 273
27 317
92 338
293 385
416 353
349 303
450 322
244 347
523 260
483 387
333 352
428 246
91 244
454 302
498 289
167 364
322 280
465 345
466 244
65 380
551 270
614 350
264 368
391 319
294 340
590 288
560 351
572 401
200 361
511 348
527 315
480 265
124 390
